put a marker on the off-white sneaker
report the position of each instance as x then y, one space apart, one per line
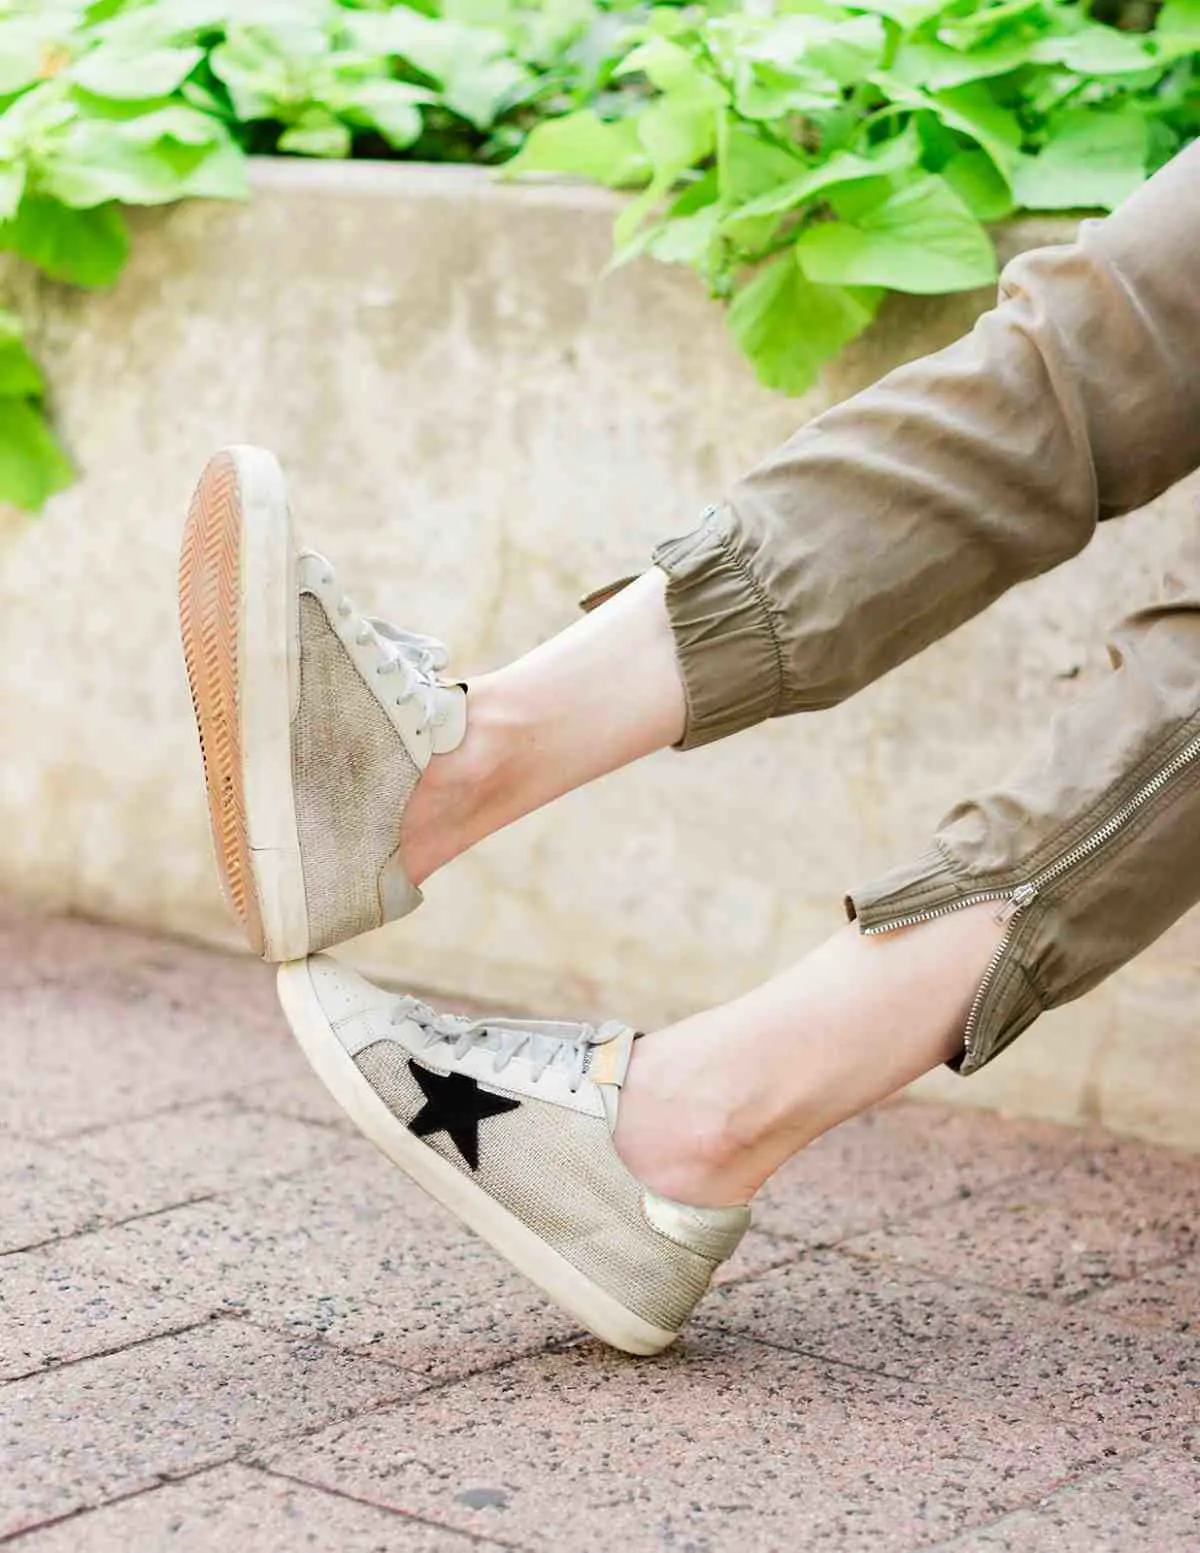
315 722
508 1123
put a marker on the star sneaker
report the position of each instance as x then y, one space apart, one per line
315 722
509 1123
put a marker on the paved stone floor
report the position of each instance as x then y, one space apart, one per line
228 1324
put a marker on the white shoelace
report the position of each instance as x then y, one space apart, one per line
506 1041
417 659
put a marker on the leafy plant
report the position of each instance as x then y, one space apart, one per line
807 162
804 162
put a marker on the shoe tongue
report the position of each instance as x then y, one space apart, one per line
450 720
607 1068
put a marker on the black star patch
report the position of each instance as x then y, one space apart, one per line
455 1105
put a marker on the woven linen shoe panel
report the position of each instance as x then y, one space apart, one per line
353 778
592 1215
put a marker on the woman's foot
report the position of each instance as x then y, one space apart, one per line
316 724
509 1124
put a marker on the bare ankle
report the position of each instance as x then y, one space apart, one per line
451 806
685 1148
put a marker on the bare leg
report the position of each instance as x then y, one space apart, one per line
714 1105
601 694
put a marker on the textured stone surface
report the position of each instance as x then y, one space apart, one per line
1110 1214
722 1444
313 1356
1150 1504
242 1509
479 427
1166 1297
96 1430
898 1172
1009 1352
60 1304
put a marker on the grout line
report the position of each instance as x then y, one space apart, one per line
478 1538
107 1353
737 1335
97 1229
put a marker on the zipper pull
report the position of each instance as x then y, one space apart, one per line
1017 901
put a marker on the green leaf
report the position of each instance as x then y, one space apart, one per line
1096 51
750 165
1180 18
933 66
12 186
984 191
129 76
316 133
81 247
895 155
32 464
390 107
909 13
919 238
99 160
1092 160
584 146
20 376
790 327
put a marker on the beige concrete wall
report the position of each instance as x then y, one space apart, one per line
479 426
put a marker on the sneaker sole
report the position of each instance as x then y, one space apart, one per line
560 1280
238 620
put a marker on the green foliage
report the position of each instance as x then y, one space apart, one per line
803 161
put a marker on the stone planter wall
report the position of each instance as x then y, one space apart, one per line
478 428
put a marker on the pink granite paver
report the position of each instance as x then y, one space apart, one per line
1148 1504
88 1432
242 1329
1167 1297
721 1444
901 1165
235 1508
1115 1211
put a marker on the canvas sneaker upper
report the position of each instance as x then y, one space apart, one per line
371 710
509 1123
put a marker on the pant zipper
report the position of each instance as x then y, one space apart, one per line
1017 899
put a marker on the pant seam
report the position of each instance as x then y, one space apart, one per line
725 541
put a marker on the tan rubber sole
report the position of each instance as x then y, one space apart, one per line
209 615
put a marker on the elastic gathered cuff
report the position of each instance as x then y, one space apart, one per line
729 656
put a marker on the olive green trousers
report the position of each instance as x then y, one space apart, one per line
891 519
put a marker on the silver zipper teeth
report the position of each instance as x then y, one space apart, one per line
1022 894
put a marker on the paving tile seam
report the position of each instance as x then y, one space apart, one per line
228 1097
915 1216
108 1224
429 1386
1042 1302
742 1335
1034 1502
241 1314
55 1367
401 1514
81 1512
333 1124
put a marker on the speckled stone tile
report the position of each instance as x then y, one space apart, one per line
102 1026
249 1512
1116 1210
1150 1504
46 1193
56 1306
1165 1297
214 1146
356 1254
899 1160
92 1431
723 1444
1006 1351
